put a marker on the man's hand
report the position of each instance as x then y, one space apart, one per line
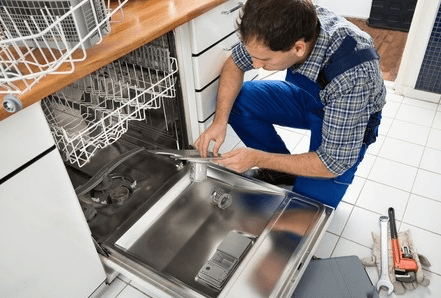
214 133
240 160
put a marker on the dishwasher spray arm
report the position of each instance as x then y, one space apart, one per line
190 155
102 174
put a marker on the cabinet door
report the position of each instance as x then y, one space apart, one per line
207 66
46 247
214 25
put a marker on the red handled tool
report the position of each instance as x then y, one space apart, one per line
400 263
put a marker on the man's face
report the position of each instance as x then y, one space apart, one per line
264 58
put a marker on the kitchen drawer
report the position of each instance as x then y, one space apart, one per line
206 101
214 25
206 98
207 66
23 136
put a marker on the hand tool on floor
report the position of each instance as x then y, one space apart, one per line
384 281
406 251
402 265
401 281
407 277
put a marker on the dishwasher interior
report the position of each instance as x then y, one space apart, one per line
218 236
136 98
212 237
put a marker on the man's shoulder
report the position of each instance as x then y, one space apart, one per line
335 29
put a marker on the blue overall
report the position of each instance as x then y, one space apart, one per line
295 103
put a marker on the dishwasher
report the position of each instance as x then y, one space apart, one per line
182 225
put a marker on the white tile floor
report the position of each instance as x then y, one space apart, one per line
402 170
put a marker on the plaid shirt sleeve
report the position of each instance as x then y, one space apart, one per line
352 97
241 57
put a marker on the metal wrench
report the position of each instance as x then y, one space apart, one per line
384 280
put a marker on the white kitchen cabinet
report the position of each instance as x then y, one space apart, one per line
46 248
18 144
218 23
207 66
203 46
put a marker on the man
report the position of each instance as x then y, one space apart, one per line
333 87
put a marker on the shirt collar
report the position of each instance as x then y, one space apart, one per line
312 66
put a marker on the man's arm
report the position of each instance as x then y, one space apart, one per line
231 81
304 164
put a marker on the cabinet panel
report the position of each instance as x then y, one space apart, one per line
23 136
206 99
207 66
214 25
46 247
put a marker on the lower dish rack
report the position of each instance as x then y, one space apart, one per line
95 111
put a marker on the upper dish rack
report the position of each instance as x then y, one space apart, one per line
95 111
39 36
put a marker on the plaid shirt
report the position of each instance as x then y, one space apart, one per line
349 99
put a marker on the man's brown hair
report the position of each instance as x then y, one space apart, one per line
278 24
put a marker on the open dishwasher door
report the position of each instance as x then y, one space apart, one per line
283 250
225 236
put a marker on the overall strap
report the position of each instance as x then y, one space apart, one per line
346 57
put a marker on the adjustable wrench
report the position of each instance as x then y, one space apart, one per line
384 280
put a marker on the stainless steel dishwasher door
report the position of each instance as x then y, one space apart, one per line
174 238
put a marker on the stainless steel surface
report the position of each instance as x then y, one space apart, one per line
187 231
283 251
173 238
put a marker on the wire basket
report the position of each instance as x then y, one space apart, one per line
37 37
95 111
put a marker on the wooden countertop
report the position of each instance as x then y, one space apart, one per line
144 20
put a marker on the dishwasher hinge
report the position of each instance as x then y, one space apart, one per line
100 249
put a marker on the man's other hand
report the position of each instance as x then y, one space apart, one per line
214 133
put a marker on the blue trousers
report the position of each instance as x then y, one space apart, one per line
292 103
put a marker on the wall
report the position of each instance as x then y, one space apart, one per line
348 8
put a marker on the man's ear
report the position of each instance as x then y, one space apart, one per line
299 48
